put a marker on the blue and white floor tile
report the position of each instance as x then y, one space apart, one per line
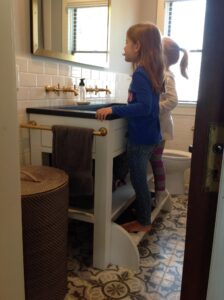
160 272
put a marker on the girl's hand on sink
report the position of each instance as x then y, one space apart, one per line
102 113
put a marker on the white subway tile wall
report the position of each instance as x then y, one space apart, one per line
64 70
86 73
35 66
27 79
51 68
76 72
22 63
43 80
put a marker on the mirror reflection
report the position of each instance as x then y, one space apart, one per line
72 30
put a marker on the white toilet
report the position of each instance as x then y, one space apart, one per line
175 163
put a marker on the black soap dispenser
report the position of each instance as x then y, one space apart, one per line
82 90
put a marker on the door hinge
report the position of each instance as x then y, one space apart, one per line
214 157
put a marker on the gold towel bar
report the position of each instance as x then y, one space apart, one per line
33 125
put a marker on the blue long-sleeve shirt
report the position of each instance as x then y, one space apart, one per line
142 111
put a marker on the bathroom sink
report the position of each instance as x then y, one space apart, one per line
80 111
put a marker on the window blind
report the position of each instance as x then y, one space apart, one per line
169 14
180 0
85 3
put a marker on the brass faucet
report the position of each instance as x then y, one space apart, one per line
70 90
57 89
97 90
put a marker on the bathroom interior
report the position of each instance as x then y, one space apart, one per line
103 261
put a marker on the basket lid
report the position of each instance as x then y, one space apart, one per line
41 179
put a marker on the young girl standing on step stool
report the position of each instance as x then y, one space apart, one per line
144 50
168 101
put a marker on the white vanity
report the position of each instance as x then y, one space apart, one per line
111 243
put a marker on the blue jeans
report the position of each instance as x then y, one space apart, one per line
138 158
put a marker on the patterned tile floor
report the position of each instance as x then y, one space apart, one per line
160 272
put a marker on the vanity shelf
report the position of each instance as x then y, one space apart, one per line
121 200
111 243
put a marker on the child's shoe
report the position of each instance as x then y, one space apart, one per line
135 226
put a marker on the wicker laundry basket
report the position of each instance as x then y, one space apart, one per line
45 221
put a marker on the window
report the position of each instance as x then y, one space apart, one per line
88 29
184 23
92 41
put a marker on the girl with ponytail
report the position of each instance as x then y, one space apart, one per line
168 101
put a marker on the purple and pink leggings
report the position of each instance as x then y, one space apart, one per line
158 168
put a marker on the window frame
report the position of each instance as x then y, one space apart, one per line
166 24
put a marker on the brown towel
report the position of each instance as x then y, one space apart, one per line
72 152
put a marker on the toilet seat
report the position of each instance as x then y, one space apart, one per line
176 154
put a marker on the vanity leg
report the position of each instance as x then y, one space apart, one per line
102 202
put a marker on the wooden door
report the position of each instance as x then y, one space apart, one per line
202 201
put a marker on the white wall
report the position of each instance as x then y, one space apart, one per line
184 118
123 14
148 10
22 27
11 259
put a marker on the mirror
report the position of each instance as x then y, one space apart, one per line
71 30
